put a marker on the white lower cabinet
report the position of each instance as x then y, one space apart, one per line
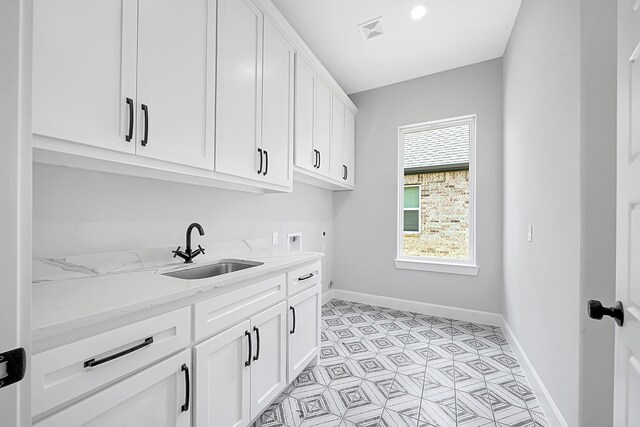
240 371
155 397
304 330
222 383
269 363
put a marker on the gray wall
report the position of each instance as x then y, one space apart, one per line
559 175
598 172
79 212
365 219
542 188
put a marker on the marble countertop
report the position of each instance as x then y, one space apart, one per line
71 292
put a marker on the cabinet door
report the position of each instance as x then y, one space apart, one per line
176 51
337 139
322 126
269 362
304 111
222 381
349 147
277 106
84 69
154 397
304 330
239 88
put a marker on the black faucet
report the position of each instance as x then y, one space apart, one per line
188 255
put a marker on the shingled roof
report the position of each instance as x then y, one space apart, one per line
437 149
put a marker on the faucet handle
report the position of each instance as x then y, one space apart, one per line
201 249
175 253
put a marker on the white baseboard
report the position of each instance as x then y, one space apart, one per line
551 411
328 296
475 316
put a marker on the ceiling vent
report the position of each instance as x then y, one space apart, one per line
371 29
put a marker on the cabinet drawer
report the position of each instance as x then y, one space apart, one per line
64 373
303 278
218 313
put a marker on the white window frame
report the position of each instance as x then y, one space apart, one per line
437 264
419 209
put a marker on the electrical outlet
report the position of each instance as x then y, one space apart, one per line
274 238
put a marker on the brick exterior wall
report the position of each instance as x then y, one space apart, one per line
444 215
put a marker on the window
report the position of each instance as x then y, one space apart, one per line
411 208
436 215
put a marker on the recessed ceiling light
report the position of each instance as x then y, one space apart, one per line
418 11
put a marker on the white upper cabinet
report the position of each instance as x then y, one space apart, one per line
337 139
220 93
277 107
84 72
322 127
238 133
349 147
305 156
176 50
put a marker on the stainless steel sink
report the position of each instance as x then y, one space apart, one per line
211 270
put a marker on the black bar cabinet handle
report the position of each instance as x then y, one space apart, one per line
93 362
257 356
315 158
293 328
346 172
308 276
185 406
130 134
248 335
266 162
260 154
319 159
145 141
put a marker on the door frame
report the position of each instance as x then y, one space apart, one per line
16 193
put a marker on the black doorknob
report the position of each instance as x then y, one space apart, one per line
597 311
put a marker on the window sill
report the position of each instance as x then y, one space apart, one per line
437 267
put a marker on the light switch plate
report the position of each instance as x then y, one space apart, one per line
274 238
530 233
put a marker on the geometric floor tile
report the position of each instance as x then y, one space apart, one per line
381 367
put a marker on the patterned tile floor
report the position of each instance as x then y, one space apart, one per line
385 367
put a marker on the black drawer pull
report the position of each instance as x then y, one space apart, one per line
315 158
93 362
248 335
308 276
130 134
260 154
293 328
185 406
257 356
319 159
145 141
266 162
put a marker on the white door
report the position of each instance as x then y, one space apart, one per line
305 156
349 147
277 107
269 360
304 330
337 139
222 378
239 89
175 109
322 127
627 353
84 71
15 214
159 396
